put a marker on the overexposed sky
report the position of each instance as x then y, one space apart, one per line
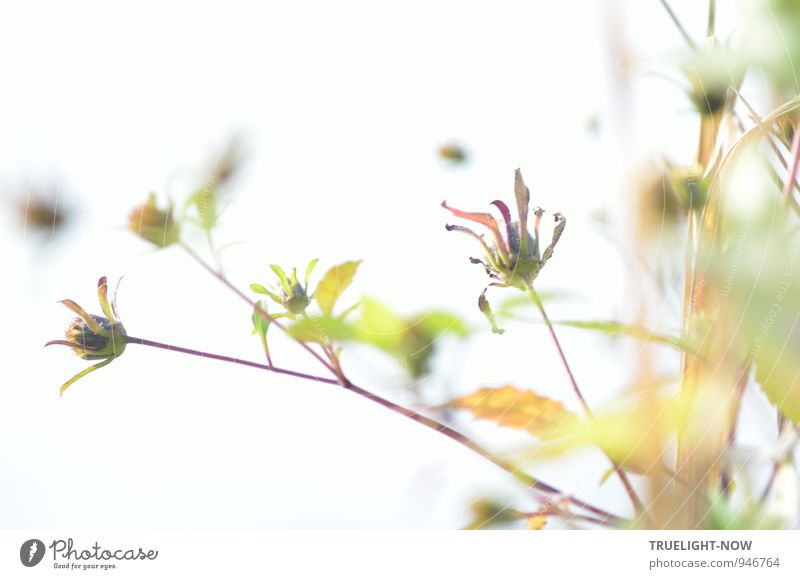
342 106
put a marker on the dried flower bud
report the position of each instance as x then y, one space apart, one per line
94 337
93 345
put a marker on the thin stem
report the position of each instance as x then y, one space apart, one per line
792 175
217 274
712 17
221 358
767 134
679 26
266 352
726 481
773 475
637 503
540 306
462 439
776 465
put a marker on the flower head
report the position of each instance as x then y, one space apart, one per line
94 337
153 223
513 257
289 293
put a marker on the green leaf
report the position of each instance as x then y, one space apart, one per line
321 329
777 370
613 328
758 274
411 341
380 326
333 284
260 323
205 201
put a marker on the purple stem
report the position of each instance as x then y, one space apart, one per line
462 439
220 357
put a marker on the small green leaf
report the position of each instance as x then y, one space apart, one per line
282 277
486 309
260 323
606 475
333 284
260 289
309 269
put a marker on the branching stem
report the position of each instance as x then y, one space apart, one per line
523 477
260 311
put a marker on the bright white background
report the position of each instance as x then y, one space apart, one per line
342 106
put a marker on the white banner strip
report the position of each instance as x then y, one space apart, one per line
400 554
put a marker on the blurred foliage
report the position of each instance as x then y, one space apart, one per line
726 514
634 435
617 329
42 214
757 270
154 224
689 186
714 73
410 340
453 153
491 512
774 45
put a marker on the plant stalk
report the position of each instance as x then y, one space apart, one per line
631 492
462 439
224 280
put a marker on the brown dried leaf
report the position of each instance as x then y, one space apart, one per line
520 409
